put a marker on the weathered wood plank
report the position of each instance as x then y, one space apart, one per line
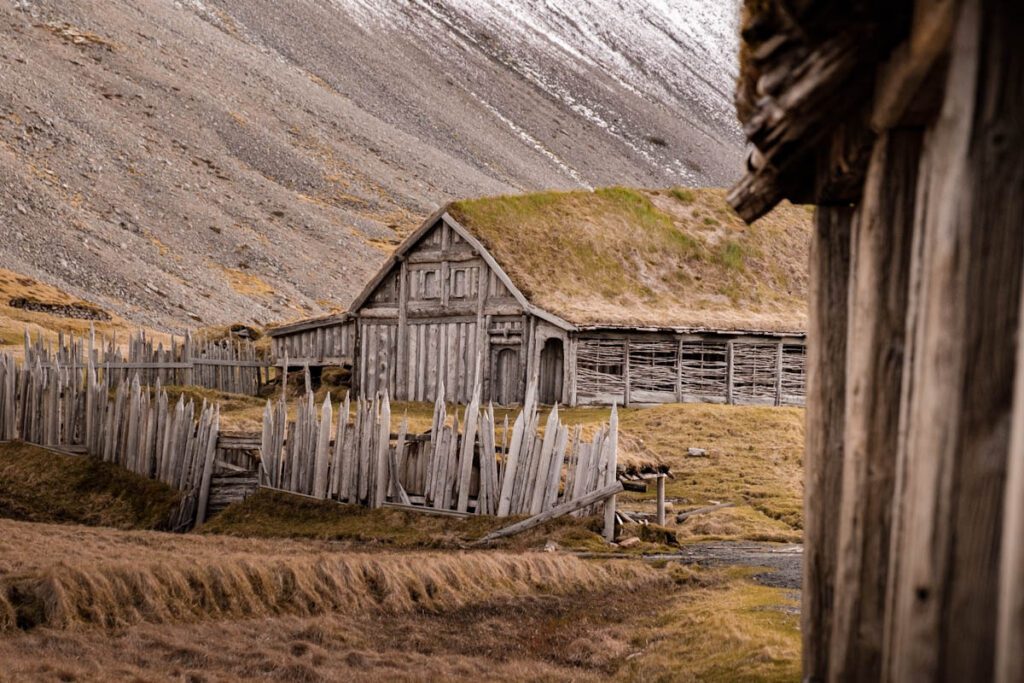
823 461
881 244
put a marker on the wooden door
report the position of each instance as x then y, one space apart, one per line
552 358
505 385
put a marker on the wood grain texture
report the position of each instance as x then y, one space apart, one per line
826 398
881 248
966 308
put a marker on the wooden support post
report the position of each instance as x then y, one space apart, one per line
729 355
1010 642
823 461
402 388
661 499
625 373
881 243
964 316
679 370
778 374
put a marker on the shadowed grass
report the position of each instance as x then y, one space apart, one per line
39 485
272 514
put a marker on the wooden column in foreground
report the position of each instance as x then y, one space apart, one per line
1010 643
964 316
823 461
881 248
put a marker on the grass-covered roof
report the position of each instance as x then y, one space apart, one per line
664 258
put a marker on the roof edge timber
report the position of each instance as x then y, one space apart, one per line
308 324
597 327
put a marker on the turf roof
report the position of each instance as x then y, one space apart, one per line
677 258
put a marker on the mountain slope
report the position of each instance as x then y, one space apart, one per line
249 159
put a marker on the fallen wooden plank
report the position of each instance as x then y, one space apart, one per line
555 512
427 510
683 516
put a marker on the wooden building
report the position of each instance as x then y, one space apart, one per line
326 341
462 298
904 123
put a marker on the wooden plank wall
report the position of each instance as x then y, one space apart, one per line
430 321
322 345
653 368
914 423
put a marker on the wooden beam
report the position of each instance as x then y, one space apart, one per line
823 461
1010 643
881 244
402 383
591 498
964 312
905 91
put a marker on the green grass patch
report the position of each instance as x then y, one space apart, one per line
683 195
39 485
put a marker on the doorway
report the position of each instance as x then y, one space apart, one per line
552 359
505 390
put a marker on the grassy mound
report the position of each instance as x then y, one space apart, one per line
271 514
39 485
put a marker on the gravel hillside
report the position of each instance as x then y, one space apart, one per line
220 160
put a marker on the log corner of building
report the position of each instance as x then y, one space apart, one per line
912 366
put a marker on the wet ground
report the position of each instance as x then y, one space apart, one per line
783 563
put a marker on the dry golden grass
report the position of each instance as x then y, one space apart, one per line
755 460
677 257
582 636
273 514
65 577
731 630
108 605
247 283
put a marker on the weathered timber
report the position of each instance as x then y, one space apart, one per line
881 243
966 279
597 496
823 461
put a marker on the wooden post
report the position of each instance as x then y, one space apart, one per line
402 390
1010 642
881 243
661 499
729 371
625 373
964 307
778 374
823 461
679 370
612 445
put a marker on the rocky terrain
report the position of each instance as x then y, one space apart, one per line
203 161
